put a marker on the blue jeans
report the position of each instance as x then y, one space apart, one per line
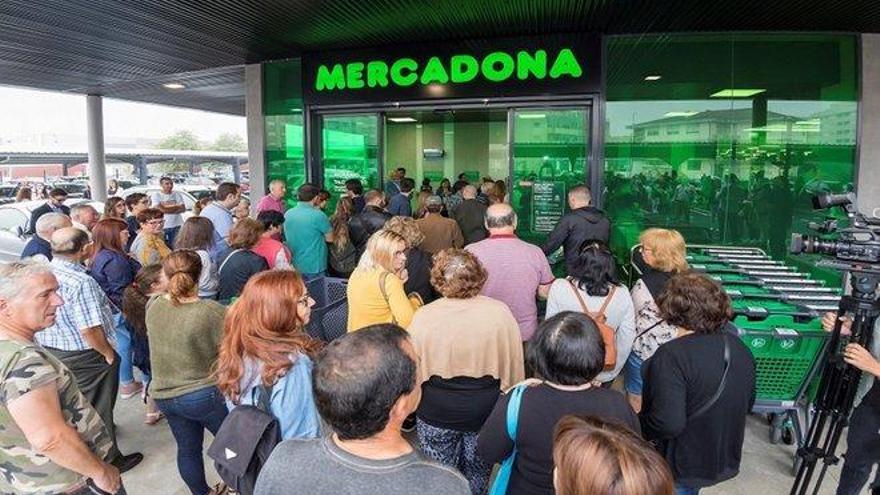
189 416
123 348
685 490
170 235
633 374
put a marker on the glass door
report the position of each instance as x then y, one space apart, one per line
550 150
349 150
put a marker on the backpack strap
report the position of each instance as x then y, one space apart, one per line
608 299
513 411
264 398
577 294
227 259
711 402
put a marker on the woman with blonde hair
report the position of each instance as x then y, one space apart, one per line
660 256
422 204
463 367
265 350
418 262
595 457
376 288
185 334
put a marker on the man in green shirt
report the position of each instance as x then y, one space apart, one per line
51 439
307 232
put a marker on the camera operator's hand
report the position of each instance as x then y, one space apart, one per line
828 320
859 357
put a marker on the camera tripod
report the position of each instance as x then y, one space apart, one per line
839 384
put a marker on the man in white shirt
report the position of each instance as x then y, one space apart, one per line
171 203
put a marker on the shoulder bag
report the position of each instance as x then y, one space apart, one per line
502 479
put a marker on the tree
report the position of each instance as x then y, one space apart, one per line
181 140
229 142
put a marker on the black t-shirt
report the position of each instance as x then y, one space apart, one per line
133 227
872 398
461 403
237 267
541 408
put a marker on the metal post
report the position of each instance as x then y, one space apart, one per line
236 171
95 130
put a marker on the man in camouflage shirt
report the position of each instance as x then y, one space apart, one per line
52 441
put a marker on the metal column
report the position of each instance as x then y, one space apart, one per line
95 130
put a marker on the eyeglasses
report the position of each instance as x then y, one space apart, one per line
159 221
304 299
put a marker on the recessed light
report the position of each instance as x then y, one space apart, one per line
736 93
402 119
531 115
173 86
680 114
653 78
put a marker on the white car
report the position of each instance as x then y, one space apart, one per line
190 193
14 222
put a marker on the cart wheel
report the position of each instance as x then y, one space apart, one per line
775 434
788 435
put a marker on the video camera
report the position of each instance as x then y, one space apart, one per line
855 245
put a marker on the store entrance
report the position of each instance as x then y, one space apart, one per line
539 152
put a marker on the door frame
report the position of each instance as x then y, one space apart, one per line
592 102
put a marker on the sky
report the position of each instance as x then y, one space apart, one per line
27 114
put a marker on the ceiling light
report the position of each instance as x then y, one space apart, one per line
680 114
173 86
402 119
532 115
653 78
736 93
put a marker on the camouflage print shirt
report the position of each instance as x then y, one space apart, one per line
25 367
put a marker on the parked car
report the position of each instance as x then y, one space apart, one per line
74 189
14 220
7 193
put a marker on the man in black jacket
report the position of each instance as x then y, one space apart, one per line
55 204
583 222
367 222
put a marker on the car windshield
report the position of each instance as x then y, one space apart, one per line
8 191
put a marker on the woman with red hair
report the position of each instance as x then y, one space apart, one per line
114 270
265 350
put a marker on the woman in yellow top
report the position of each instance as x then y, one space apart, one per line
375 289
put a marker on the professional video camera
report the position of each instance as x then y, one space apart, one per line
855 245
856 250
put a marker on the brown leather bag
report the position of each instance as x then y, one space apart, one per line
600 319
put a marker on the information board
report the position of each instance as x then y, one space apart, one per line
548 204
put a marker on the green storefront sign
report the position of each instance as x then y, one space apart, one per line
496 67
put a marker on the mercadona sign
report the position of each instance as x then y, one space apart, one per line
403 72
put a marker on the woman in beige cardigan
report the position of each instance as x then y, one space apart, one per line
469 349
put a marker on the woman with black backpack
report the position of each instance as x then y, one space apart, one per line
265 348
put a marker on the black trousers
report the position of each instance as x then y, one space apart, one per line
862 452
98 382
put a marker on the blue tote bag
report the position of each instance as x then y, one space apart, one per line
499 486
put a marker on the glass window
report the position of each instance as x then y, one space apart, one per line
548 159
349 150
732 139
283 108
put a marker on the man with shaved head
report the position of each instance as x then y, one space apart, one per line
518 271
83 334
583 223
47 224
470 215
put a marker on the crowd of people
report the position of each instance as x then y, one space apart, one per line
603 389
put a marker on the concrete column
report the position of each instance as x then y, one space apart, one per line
236 170
141 169
95 129
868 187
256 135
